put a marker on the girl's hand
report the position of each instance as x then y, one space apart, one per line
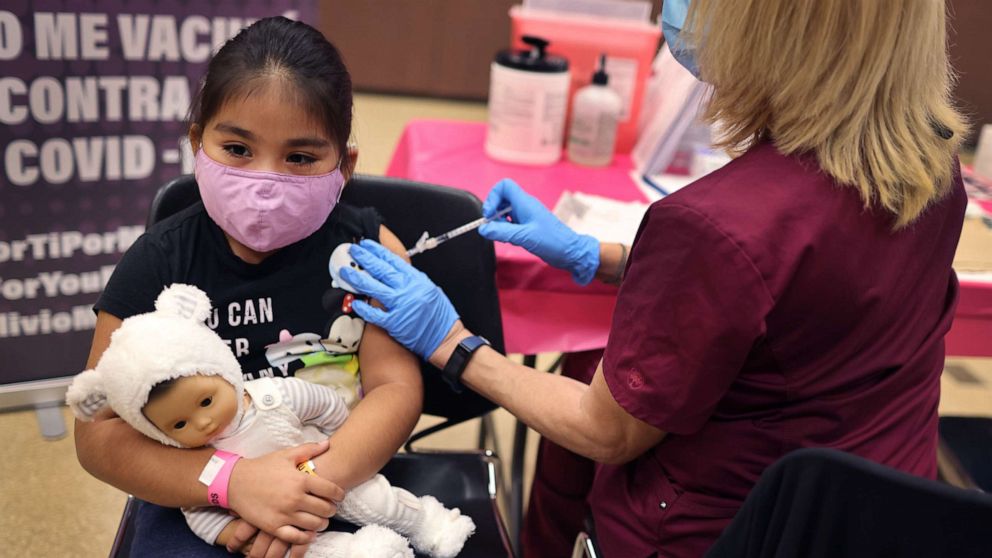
270 493
267 546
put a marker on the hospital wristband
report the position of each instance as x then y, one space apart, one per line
217 475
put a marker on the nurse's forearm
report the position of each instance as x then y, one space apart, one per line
551 404
612 257
564 410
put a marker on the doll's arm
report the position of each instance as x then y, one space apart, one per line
314 404
209 522
227 535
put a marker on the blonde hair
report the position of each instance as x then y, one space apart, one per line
863 84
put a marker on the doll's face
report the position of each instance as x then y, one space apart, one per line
194 410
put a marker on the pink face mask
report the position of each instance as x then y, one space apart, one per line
266 210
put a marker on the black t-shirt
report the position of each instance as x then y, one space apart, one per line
290 290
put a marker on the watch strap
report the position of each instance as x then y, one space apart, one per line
455 367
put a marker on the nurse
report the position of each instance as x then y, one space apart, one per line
797 297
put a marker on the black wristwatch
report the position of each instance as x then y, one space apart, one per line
453 370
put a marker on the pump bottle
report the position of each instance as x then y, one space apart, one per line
595 116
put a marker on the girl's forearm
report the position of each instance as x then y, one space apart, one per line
119 455
376 429
381 422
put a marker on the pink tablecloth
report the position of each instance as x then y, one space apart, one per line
543 310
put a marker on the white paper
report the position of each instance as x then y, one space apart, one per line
607 219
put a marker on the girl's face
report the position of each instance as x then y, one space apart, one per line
267 131
194 410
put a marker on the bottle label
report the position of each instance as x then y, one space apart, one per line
593 138
623 80
526 113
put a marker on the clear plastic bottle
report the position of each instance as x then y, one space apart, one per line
528 96
595 116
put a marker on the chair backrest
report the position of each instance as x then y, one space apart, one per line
823 502
465 267
172 197
965 452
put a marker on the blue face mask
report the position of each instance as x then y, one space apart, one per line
673 14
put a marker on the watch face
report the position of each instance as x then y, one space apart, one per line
474 342
456 364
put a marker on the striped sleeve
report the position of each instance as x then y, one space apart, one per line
207 522
314 404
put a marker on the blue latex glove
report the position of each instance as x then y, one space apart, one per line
417 314
539 232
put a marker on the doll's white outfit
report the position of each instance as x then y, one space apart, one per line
286 412
173 342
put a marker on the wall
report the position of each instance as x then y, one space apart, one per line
422 47
970 36
443 48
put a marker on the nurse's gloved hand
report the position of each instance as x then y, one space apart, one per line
417 313
539 232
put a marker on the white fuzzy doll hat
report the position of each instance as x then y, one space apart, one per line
147 349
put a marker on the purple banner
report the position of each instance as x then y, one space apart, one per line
93 99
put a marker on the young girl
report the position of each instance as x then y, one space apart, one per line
269 127
186 390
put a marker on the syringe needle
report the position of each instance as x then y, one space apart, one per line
425 243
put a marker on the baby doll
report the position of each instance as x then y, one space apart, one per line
176 381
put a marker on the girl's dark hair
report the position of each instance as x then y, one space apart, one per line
160 389
276 46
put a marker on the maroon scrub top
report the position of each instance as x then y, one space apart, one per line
766 309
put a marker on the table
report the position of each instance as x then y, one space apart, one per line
971 332
543 309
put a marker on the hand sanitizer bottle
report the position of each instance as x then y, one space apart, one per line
595 115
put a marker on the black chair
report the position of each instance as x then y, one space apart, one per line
825 503
965 455
465 268
585 542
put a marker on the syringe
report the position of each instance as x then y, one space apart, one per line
426 243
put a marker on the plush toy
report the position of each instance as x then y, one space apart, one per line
175 380
341 257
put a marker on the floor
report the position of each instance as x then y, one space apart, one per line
50 507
